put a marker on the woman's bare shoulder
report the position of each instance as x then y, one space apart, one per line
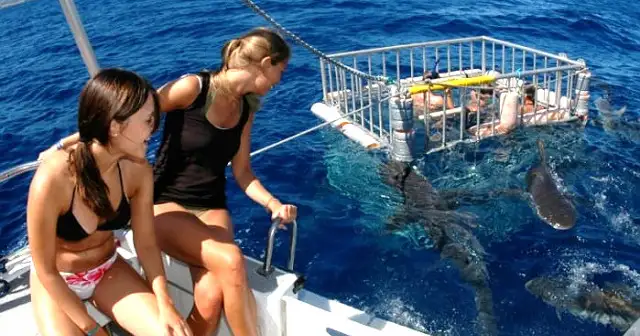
52 175
135 174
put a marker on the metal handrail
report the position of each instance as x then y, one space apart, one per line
19 169
437 43
89 58
267 267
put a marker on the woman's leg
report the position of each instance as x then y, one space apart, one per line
126 298
210 247
207 308
221 218
51 320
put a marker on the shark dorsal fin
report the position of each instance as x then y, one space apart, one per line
621 111
541 152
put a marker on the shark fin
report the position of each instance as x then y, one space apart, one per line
543 157
621 111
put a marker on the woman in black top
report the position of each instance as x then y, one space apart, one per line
208 124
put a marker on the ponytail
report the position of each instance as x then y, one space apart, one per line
227 51
91 186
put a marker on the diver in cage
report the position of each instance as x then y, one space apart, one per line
509 113
435 101
478 105
530 110
529 100
478 97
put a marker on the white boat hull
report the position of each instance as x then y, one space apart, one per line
284 308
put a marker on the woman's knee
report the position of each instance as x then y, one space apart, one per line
208 293
229 260
50 319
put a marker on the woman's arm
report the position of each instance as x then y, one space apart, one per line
241 165
42 214
242 172
178 94
63 144
144 238
449 98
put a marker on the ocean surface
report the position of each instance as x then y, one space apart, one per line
342 249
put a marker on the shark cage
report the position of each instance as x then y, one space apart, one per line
451 91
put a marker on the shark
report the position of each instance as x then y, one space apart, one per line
615 304
449 231
608 117
552 205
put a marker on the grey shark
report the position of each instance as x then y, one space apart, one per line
614 305
614 122
552 206
608 117
448 230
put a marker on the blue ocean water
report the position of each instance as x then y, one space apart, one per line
342 248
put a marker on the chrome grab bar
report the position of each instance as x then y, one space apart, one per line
267 268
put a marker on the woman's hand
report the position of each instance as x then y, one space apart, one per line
286 212
171 322
47 153
98 331
102 332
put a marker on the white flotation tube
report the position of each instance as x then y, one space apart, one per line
346 127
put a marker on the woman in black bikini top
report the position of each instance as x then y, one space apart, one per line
77 199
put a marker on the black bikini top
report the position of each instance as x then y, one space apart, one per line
69 229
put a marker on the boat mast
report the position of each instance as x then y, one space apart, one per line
86 51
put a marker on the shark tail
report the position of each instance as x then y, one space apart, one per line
486 324
540 144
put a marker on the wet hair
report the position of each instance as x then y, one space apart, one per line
111 95
249 49
430 75
530 91
486 91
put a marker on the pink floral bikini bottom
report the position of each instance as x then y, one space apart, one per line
84 283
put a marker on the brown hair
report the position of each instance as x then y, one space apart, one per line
251 48
530 91
111 95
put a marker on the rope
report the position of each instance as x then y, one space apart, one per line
307 131
29 166
312 49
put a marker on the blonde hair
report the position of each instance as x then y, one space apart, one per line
249 49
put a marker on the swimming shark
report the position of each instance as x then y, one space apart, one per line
448 230
615 305
609 118
613 121
552 206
